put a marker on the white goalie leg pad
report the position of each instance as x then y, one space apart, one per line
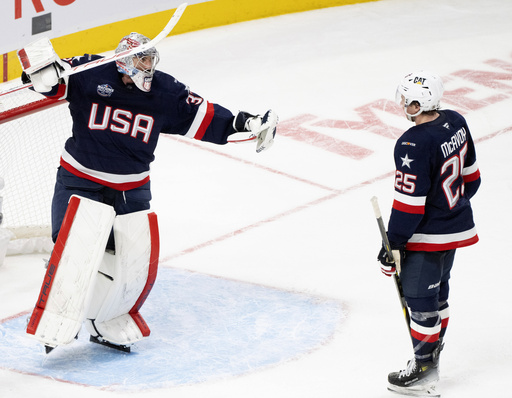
72 268
125 280
104 279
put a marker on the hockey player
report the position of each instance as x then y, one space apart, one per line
118 111
436 175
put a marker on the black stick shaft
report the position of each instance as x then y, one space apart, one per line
387 247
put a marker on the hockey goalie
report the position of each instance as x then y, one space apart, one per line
104 261
105 257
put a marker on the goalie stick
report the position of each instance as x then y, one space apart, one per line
93 64
387 247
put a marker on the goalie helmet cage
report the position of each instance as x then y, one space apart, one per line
33 130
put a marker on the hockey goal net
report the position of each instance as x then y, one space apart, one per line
33 129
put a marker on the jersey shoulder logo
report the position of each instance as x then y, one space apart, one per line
105 90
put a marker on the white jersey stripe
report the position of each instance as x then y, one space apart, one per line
470 170
443 238
99 175
410 200
200 115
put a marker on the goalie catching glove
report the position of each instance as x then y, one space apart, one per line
41 65
255 128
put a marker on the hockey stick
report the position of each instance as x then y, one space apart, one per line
387 247
93 64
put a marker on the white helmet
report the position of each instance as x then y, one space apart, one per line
141 66
424 87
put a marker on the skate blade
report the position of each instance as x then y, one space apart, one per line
420 391
119 347
49 348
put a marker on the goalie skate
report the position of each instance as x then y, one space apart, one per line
100 341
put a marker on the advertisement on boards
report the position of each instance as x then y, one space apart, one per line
28 20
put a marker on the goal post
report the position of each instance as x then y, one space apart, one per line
33 130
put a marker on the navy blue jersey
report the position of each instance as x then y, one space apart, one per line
436 175
116 126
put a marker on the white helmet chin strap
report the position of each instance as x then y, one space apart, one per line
410 117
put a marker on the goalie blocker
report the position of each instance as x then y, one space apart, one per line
85 283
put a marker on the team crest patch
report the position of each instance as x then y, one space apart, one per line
105 90
147 83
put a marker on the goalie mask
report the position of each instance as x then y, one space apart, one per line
141 66
423 87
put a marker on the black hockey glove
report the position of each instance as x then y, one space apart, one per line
389 267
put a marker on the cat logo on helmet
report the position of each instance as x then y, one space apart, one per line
423 87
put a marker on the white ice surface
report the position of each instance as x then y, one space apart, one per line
298 217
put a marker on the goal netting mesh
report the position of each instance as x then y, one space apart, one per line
33 130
